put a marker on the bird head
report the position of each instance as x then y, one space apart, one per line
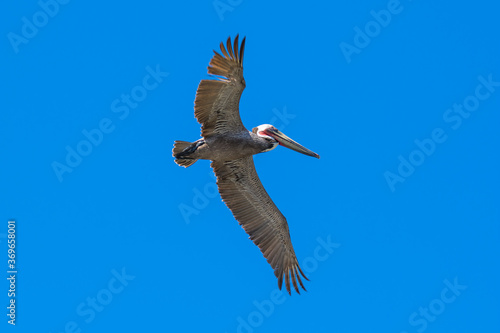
272 133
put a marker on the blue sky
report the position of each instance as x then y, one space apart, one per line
397 225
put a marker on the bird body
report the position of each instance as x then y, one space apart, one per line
230 147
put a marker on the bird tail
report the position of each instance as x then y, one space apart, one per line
181 152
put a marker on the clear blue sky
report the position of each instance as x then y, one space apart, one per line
397 225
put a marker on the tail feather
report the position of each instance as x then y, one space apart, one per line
182 159
179 146
185 162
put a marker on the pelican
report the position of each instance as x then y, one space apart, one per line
230 147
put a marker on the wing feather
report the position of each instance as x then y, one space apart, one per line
216 105
241 190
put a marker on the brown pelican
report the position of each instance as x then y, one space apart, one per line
230 146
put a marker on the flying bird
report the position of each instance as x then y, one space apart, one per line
230 147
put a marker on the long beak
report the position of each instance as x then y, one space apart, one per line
289 143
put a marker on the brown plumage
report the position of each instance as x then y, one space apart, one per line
216 105
230 146
241 190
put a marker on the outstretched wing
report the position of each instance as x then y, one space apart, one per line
217 101
242 191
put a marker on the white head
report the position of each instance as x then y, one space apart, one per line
261 132
274 136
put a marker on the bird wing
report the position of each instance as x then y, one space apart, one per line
242 191
216 105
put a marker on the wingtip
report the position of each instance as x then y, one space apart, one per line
294 276
242 49
230 50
